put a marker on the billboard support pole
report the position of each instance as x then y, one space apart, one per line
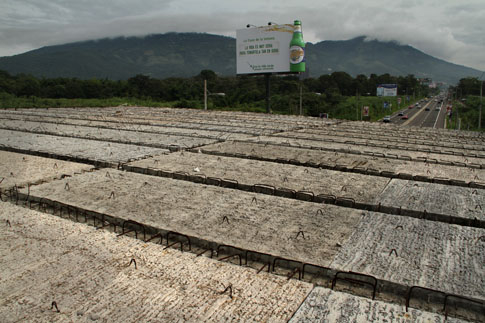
301 97
267 79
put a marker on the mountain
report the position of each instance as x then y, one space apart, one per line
186 54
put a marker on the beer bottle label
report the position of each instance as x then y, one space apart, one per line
297 54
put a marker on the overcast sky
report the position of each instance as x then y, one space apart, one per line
453 30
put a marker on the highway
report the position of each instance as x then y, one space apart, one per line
419 117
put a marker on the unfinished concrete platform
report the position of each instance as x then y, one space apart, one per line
248 172
325 305
281 227
397 249
88 274
434 199
370 164
210 199
21 170
136 136
384 150
94 151
415 252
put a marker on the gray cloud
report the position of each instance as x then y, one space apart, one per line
446 29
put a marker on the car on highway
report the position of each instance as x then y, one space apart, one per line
400 113
426 109
437 108
411 106
405 117
386 119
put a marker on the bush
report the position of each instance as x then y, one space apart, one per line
188 104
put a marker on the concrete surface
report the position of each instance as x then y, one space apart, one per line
362 188
87 272
21 170
325 305
263 223
93 150
430 254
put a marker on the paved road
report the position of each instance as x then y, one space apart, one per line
419 117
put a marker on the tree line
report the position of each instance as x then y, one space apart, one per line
467 86
319 94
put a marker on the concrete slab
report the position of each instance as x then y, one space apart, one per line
126 131
87 272
386 150
248 172
429 254
441 199
255 123
345 160
416 137
85 149
381 139
413 132
325 305
136 137
273 225
21 170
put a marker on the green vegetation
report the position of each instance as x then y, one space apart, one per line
467 111
466 104
338 94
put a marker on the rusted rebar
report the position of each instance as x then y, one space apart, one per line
204 251
8 223
54 304
228 288
225 219
132 261
302 234
232 256
181 235
408 296
292 273
112 195
393 250
66 187
354 280
269 267
158 235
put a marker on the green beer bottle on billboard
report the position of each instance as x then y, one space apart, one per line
297 50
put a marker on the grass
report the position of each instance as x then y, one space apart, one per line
11 102
467 112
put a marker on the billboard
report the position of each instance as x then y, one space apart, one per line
264 49
387 90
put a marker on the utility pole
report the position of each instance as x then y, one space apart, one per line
480 110
205 94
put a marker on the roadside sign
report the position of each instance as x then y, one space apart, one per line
365 111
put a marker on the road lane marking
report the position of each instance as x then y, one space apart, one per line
416 114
